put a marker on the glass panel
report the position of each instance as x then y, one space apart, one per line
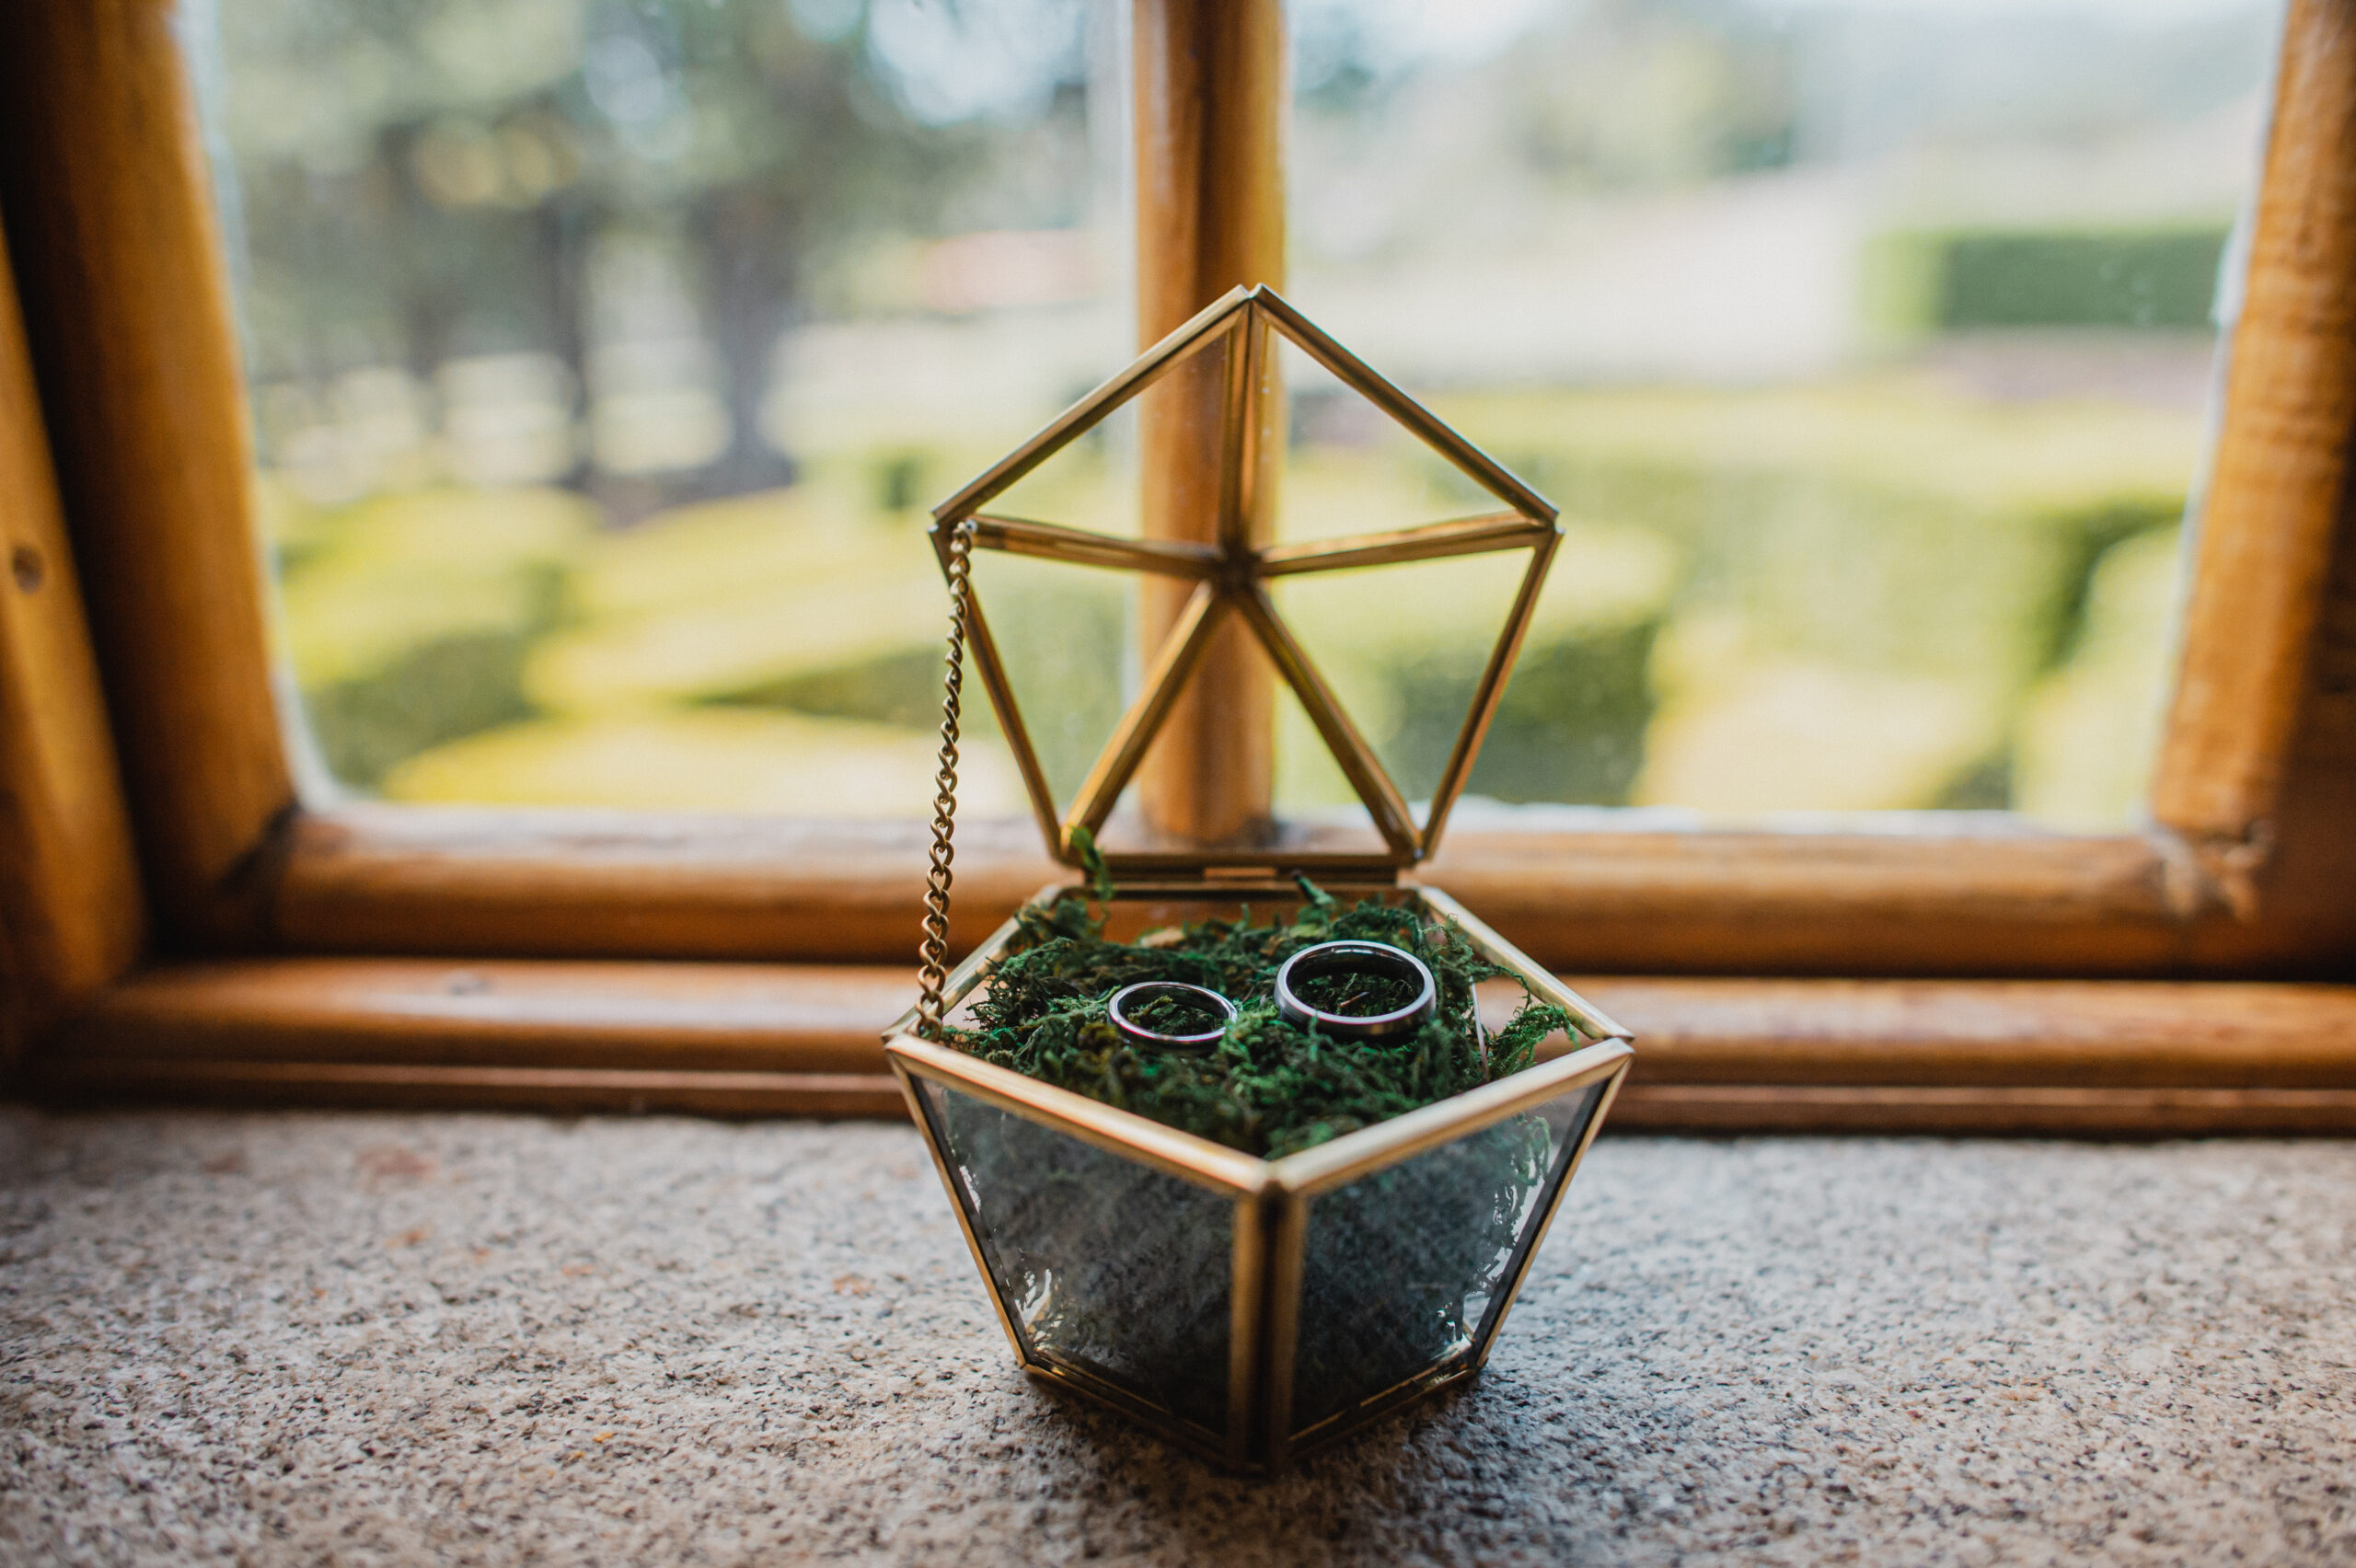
1311 788
1312 795
606 357
1093 483
1882 330
1404 648
1067 638
1404 1267
1351 468
1105 1265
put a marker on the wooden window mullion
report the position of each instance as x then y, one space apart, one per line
108 205
72 919
2273 507
1209 108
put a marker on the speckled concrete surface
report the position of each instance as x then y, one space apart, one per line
377 1339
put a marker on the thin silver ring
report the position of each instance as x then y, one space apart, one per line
1357 958
1201 996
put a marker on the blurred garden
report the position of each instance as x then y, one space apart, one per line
606 358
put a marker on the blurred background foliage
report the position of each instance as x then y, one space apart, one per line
605 354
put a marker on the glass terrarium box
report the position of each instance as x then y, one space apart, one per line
1252 1307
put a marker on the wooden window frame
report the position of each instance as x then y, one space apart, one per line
175 920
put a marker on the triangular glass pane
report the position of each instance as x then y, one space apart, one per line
1407 1268
1313 792
1095 481
1066 640
1571 724
1349 468
1404 647
1090 483
1315 808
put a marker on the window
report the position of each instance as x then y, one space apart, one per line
598 390
604 359
115 241
1868 348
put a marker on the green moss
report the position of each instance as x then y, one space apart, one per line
1266 1087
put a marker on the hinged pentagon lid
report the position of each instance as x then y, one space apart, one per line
1231 579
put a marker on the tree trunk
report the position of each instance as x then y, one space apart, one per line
746 239
564 231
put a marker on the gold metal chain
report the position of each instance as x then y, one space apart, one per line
933 951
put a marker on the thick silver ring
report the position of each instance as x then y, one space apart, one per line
1357 958
1145 990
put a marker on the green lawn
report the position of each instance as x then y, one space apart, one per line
1876 593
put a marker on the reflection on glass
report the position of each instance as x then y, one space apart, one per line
1865 343
1105 1265
604 358
1402 1266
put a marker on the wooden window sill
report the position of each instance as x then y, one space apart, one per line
2049 1058
1960 901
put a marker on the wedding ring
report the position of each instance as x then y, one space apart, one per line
1117 1012
1373 959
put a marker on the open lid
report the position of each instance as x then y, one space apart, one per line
1232 578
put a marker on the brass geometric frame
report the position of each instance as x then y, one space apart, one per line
1231 579
1268 1203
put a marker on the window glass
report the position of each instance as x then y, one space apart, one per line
607 353
605 357
1868 347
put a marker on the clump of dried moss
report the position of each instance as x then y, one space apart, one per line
1265 1088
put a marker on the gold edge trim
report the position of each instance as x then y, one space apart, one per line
1313 1170
1320 1170
968 974
1288 1255
1191 892
1189 339
1240 414
1013 727
1176 1153
1380 390
1158 693
1364 879
1491 692
1368 868
1359 762
1078 547
1237 891
1446 1370
930 1133
1593 1021
1503 1308
1489 532
1420 1387
1245 1284
1196 1440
